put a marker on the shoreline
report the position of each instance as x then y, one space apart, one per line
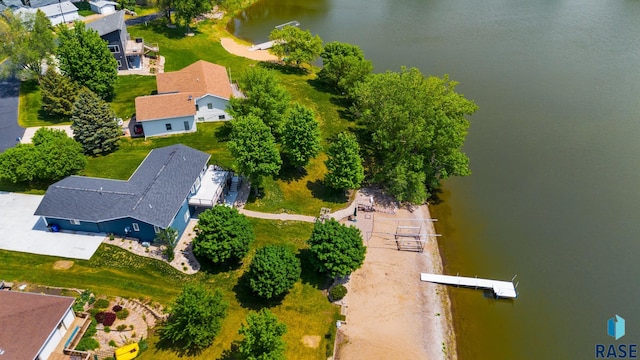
432 338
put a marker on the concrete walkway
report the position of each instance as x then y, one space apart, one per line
282 217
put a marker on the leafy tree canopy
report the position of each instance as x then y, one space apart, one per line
254 148
51 157
27 41
94 124
262 337
336 249
344 164
223 235
343 65
295 46
85 58
59 93
195 318
186 10
265 98
300 136
418 126
273 271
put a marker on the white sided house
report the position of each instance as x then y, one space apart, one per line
103 7
199 92
58 13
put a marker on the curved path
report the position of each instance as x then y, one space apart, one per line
283 217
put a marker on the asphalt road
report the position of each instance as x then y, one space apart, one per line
9 128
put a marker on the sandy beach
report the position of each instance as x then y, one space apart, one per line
390 313
235 48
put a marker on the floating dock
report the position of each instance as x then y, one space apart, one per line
503 289
262 46
290 23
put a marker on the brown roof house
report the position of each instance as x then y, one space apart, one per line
199 92
33 325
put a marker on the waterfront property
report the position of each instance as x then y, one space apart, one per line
154 198
34 325
199 92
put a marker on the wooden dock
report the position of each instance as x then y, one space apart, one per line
503 289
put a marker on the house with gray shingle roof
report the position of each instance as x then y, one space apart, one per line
113 30
58 12
154 198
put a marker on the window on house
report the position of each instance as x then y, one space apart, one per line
209 106
114 48
156 229
74 222
221 117
197 107
186 216
135 227
186 126
168 126
201 119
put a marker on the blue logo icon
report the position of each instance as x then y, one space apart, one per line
615 327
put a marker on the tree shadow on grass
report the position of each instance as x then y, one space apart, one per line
210 268
309 274
176 347
283 68
224 132
159 26
320 191
289 172
232 353
251 301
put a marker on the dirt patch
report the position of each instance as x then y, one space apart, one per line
311 341
62 265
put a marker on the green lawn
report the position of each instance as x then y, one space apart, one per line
115 272
127 88
29 108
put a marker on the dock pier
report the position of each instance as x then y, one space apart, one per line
501 289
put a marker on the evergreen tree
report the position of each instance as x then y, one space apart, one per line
94 124
262 337
85 58
300 136
344 165
59 93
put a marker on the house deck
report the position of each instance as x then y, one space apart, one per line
213 183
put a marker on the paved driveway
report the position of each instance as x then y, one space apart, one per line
9 128
22 231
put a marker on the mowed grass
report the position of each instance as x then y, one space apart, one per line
30 107
127 88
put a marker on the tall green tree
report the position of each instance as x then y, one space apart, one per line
262 337
94 124
417 127
343 66
254 148
195 318
85 58
27 41
59 93
52 156
265 98
336 250
186 10
300 136
295 46
344 165
273 271
223 235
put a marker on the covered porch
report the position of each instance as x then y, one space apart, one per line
211 189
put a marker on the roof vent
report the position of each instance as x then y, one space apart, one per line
190 97
150 207
1 351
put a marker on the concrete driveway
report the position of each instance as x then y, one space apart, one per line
10 131
24 232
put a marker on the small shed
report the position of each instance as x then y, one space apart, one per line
103 7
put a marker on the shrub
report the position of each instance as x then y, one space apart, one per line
87 343
337 292
100 317
112 343
116 308
101 304
107 329
143 345
122 314
91 330
121 327
109 319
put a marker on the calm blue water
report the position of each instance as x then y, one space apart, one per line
554 153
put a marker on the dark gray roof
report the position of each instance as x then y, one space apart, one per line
13 4
153 194
108 24
40 3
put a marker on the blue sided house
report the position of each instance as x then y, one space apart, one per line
156 197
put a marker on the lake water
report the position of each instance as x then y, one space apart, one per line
554 196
